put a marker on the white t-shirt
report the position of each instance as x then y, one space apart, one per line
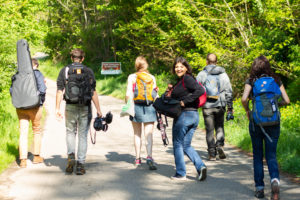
131 80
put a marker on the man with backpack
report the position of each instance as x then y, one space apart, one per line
31 113
219 95
77 84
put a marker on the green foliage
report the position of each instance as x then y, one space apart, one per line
9 134
236 31
49 69
19 19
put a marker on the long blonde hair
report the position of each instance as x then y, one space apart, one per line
141 64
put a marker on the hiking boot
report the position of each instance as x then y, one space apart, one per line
23 163
138 162
259 194
202 173
80 169
221 152
177 177
71 163
151 163
274 190
37 159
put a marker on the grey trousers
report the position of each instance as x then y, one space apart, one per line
214 121
78 120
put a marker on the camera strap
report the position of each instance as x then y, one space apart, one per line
162 127
93 140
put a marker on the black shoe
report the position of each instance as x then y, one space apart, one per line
177 177
259 194
80 169
221 152
202 173
275 190
71 163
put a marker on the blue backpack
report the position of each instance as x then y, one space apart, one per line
266 93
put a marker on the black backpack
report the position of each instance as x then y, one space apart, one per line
78 89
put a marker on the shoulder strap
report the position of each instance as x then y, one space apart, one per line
66 72
183 82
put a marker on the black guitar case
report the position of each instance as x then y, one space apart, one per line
24 91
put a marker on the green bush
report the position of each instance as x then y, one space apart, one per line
9 133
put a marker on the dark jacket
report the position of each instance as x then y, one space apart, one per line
187 90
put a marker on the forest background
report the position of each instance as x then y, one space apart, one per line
237 31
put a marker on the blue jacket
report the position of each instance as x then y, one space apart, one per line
40 85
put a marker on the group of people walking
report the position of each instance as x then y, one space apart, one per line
77 85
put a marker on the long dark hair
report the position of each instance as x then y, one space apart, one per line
183 61
261 67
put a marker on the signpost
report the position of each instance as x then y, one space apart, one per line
111 68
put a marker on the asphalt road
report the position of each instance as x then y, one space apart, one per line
112 175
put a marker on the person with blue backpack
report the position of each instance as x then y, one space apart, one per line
265 89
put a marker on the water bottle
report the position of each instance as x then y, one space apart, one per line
273 105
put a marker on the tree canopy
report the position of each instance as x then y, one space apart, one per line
120 30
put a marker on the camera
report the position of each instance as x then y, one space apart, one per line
229 116
101 123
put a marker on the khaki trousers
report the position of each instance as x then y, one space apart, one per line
34 115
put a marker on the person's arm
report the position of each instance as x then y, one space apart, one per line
129 90
60 84
245 100
59 95
225 83
285 98
95 100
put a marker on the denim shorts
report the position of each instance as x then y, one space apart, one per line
144 113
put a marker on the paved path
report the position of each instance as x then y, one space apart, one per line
111 174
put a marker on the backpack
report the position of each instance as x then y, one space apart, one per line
212 85
266 93
202 98
78 89
24 91
143 90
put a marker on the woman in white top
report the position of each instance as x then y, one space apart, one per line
144 114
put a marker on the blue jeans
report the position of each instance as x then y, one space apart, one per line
183 130
78 120
258 138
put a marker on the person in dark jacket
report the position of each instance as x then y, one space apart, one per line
187 91
215 106
78 114
34 115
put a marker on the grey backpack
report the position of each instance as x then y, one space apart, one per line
24 92
212 85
